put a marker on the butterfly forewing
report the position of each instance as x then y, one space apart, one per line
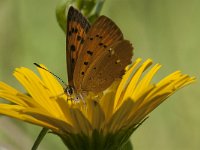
108 66
101 35
77 27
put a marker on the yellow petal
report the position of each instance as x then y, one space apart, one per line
107 103
144 83
135 78
80 122
50 82
57 124
38 90
115 123
11 94
123 83
97 115
15 111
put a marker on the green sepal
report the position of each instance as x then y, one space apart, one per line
80 4
127 146
88 7
98 141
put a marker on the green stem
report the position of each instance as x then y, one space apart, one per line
99 6
43 132
97 11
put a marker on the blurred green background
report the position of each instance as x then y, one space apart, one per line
168 31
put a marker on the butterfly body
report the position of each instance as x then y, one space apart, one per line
96 54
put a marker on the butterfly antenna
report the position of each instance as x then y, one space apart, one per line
51 73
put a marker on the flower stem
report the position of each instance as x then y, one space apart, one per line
43 132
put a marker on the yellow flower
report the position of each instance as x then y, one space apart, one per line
104 122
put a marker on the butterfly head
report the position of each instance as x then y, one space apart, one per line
75 96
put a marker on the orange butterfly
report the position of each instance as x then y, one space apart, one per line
96 54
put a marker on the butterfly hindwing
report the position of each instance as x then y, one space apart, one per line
101 35
77 27
108 66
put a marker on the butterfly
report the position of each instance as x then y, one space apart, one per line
96 54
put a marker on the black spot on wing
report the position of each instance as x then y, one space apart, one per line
82 41
73 61
75 30
90 52
69 33
85 63
100 44
79 37
72 47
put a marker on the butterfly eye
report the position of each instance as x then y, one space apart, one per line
69 90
